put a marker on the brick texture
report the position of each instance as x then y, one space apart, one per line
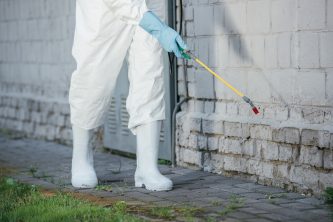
279 53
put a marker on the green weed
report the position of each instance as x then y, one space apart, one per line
328 195
21 202
234 203
104 187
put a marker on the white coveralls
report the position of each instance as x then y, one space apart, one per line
105 31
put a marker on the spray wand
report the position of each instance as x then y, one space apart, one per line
188 55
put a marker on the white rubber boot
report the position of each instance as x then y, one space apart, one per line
147 173
83 173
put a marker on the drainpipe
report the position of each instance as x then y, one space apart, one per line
174 78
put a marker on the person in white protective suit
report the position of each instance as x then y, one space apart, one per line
105 32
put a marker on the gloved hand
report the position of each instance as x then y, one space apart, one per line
167 37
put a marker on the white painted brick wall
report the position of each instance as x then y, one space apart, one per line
283 15
308 50
311 14
326 49
258 17
35 67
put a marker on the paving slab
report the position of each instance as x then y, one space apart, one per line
48 165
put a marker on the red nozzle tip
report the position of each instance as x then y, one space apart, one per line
255 110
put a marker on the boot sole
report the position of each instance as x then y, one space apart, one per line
142 185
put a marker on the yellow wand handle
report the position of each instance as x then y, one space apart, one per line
219 77
188 55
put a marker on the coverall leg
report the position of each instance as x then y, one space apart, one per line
101 43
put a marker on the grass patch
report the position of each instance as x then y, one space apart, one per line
328 195
235 202
188 213
21 202
216 203
11 134
163 212
164 162
104 188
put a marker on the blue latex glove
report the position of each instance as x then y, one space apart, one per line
169 39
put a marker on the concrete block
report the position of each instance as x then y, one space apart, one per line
319 138
190 123
60 120
329 83
188 13
249 148
181 88
304 176
328 159
232 109
67 134
271 51
213 126
326 49
282 171
202 142
310 88
193 141
308 53
190 156
329 12
267 170
12 30
218 51
236 77
28 127
203 15
289 135
235 17
209 107
311 14
203 49
182 138
262 93
275 112
235 129
284 50
285 152
50 132
258 16
57 8
232 163
325 180
244 110
229 145
283 15
263 132
311 155
36 117
269 150
189 28
203 86
196 106
258 50
254 167
213 143
234 51
313 115
219 19
269 112
220 107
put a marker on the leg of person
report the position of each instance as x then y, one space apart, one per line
100 46
146 106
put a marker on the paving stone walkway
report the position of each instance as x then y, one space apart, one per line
48 165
